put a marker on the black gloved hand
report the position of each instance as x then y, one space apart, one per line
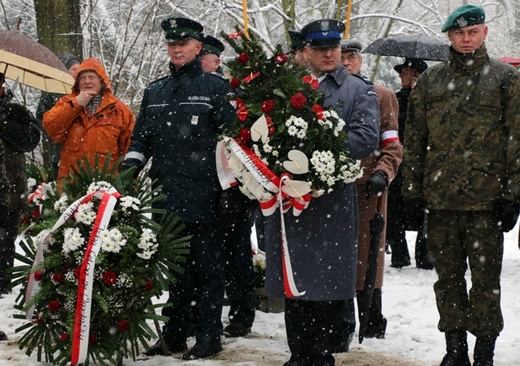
376 184
506 213
414 214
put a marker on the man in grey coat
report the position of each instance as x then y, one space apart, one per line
322 240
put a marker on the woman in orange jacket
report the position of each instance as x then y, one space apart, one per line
90 121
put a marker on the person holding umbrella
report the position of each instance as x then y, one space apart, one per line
19 134
379 169
461 164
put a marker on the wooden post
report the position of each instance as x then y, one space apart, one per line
347 20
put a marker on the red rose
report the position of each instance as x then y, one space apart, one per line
268 106
281 58
315 84
245 134
54 306
64 337
123 325
235 83
318 109
38 275
109 278
243 57
298 100
58 278
148 286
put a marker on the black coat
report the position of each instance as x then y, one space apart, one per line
180 118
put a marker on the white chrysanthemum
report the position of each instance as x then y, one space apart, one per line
112 240
85 214
72 240
62 204
267 148
99 186
146 255
128 202
292 130
148 243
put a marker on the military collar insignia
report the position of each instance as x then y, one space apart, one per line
462 22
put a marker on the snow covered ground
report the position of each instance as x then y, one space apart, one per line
412 337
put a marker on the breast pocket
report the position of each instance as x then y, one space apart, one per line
198 117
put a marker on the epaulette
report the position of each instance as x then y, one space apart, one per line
364 78
219 75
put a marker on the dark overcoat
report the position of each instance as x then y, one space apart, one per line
322 240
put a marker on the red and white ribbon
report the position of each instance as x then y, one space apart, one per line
80 337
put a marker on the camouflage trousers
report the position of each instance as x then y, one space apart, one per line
456 239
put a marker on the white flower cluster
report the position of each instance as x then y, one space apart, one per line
296 126
332 121
148 243
128 202
112 240
99 186
349 174
325 165
85 213
72 240
62 204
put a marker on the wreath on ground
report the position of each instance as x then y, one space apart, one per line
91 263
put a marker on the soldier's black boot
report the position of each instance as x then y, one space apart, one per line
456 349
484 351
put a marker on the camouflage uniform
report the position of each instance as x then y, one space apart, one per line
461 155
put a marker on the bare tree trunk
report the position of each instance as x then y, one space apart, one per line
59 25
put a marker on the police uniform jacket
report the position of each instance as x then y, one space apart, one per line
463 134
322 240
180 118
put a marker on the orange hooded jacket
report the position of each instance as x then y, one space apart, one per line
108 130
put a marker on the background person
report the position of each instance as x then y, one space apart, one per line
210 54
462 165
90 121
409 73
47 101
379 169
180 118
297 46
19 134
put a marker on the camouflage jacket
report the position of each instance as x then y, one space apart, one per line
462 140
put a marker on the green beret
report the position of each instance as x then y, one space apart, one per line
464 16
211 45
180 29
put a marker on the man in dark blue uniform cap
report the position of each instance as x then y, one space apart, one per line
297 45
180 118
316 323
210 54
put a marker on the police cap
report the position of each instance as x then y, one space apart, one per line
412 63
464 16
211 45
180 29
323 33
351 45
297 40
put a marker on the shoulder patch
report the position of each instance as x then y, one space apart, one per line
372 93
364 78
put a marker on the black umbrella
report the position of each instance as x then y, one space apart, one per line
410 46
376 229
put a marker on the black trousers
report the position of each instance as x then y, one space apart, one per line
8 233
201 286
314 329
240 274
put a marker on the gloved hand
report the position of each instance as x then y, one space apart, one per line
506 213
414 214
376 184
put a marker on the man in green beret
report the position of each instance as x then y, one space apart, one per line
180 118
461 167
